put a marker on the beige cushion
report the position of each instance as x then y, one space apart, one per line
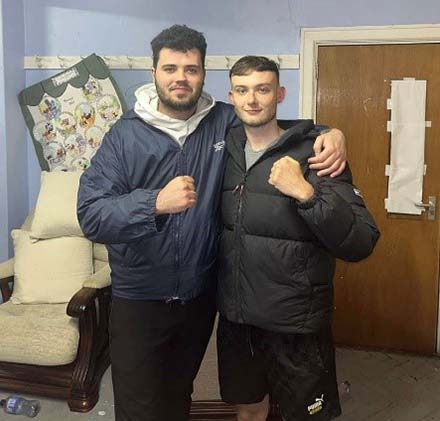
100 252
49 271
7 268
41 334
28 221
101 277
99 264
55 211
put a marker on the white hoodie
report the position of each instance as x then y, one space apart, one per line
146 108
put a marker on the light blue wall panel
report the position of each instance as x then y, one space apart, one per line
14 195
112 27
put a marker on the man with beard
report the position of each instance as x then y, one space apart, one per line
152 196
283 227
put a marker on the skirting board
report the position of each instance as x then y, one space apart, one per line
218 410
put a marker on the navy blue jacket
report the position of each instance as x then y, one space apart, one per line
165 257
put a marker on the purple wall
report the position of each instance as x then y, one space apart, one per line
14 193
113 27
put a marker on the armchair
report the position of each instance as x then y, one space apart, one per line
57 350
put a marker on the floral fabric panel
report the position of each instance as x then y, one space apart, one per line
68 128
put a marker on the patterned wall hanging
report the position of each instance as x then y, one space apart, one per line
69 113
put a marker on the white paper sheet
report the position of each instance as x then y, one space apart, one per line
407 154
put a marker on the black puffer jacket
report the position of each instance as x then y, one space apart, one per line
277 255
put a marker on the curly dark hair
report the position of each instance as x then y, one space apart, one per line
179 38
248 64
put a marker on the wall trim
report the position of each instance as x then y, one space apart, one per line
285 61
313 38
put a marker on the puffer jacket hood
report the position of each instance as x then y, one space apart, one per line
146 108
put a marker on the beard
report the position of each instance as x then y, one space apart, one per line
179 105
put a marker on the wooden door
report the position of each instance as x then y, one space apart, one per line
390 300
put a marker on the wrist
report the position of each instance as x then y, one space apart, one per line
159 209
305 193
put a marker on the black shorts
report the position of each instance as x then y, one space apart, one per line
297 370
156 351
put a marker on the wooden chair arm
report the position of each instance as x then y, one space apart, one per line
5 287
91 306
79 303
7 268
85 299
6 278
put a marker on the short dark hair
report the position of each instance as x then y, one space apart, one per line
248 64
178 38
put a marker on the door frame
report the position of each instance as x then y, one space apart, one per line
313 38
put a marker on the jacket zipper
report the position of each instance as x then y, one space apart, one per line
178 220
238 190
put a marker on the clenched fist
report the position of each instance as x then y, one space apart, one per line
179 194
287 177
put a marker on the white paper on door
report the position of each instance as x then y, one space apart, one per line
407 153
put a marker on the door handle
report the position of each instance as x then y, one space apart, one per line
430 207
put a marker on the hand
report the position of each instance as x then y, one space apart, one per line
179 194
330 153
287 177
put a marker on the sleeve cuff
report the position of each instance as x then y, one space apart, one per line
154 221
307 204
311 202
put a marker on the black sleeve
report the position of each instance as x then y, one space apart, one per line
337 215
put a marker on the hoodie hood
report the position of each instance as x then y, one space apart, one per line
146 108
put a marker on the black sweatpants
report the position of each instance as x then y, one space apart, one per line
156 350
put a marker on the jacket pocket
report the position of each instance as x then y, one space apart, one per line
118 253
319 266
150 251
137 253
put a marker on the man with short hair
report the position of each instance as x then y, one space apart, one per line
151 195
283 226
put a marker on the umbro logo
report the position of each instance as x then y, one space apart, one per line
219 145
357 192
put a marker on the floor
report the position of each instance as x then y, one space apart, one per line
384 387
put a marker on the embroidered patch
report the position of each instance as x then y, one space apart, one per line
219 145
317 406
65 77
